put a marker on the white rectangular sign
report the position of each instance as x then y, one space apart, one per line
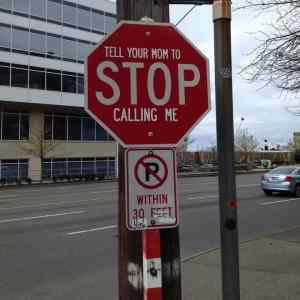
151 188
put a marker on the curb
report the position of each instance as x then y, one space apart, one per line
269 235
211 174
187 175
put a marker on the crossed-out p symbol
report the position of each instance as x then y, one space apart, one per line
151 171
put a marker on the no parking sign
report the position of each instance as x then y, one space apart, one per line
151 189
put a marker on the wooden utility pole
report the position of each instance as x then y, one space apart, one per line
130 242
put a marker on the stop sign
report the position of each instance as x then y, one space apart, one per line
146 84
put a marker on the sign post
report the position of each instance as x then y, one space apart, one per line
139 87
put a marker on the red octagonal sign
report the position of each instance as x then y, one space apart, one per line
147 84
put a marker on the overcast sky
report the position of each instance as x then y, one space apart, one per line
264 110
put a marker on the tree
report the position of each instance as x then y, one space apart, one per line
245 143
276 59
183 146
37 145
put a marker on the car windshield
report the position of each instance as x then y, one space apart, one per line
283 171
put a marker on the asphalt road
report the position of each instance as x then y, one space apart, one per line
60 242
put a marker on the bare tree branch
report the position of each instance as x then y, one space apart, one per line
276 59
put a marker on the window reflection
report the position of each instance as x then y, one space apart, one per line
54 10
19 77
53 81
84 18
69 14
6 4
20 39
15 126
37 42
21 6
5 36
53 46
69 49
40 78
38 8
98 21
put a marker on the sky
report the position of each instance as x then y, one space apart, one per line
264 110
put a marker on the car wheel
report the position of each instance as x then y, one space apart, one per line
268 193
297 191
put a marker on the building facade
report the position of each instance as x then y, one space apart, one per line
44 131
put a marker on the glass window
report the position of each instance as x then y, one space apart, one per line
74 166
59 128
69 84
37 80
20 39
37 42
24 130
84 18
69 49
38 8
10 130
111 166
19 77
5 36
88 166
9 169
54 10
23 168
110 23
53 81
4 75
83 50
88 129
80 84
6 4
53 46
98 21
46 168
100 133
59 167
21 6
74 128
109 137
48 127
101 166
69 13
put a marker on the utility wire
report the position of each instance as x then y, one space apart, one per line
185 15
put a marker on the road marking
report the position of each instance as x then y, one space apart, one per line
203 197
52 195
9 196
92 229
41 217
198 183
101 192
57 204
279 201
248 185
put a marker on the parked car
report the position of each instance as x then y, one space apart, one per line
282 179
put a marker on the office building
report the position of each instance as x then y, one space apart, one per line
44 131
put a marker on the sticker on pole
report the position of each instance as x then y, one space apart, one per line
151 189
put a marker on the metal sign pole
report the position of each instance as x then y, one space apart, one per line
225 139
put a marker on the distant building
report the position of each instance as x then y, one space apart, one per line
44 131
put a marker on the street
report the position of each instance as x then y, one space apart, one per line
60 241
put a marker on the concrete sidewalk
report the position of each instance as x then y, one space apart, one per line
269 269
